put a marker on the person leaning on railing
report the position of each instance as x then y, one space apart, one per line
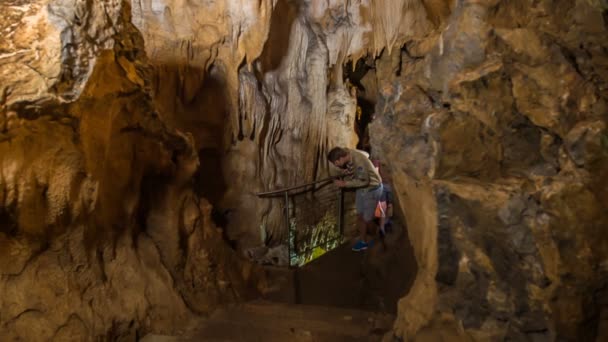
360 174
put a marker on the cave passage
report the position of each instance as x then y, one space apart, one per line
195 100
330 274
326 273
365 115
366 102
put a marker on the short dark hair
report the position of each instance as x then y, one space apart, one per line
336 153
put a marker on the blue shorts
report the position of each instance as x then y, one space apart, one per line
366 201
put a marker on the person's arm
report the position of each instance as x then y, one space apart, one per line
360 178
338 172
334 171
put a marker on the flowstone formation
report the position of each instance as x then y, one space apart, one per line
250 79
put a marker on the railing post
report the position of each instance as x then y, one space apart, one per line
296 276
288 229
341 211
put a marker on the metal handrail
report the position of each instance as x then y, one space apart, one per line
292 237
287 190
290 192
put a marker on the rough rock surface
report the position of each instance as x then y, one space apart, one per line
494 127
101 234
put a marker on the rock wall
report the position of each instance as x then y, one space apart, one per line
494 128
101 234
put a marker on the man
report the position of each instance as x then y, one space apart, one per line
362 175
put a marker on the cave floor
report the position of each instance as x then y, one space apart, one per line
341 296
372 280
266 321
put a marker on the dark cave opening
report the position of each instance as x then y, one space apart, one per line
209 179
354 76
365 115
8 222
195 101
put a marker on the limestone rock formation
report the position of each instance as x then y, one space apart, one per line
494 127
101 233
251 83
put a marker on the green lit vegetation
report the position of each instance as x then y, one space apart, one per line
308 242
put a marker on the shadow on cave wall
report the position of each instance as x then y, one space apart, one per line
195 101
8 222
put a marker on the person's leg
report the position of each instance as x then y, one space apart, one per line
366 202
362 228
388 222
361 225
371 228
381 215
361 243
369 212
360 206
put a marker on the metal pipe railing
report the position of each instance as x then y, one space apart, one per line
287 223
289 197
287 190
302 186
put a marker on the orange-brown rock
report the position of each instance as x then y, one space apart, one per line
101 234
493 130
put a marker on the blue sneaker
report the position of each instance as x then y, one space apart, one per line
360 246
